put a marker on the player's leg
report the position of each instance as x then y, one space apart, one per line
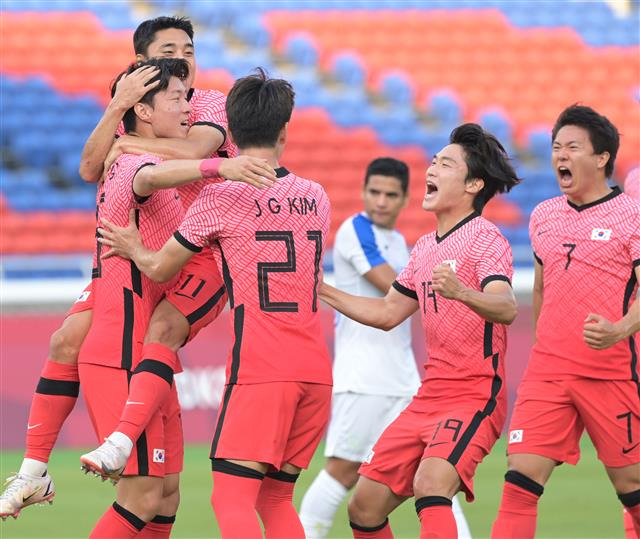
194 302
236 485
386 475
626 481
54 398
610 410
369 509
160 526
308 408
545 430
357 420
141 485
435 484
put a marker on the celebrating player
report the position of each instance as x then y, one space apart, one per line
374 372
459 278
583 369
180 316
277 398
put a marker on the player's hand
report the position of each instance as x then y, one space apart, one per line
445 282
248 169
132 87
599 333
115 152
122 241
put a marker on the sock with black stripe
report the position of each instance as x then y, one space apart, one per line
382 531
631 502
117 522
149 388
234 496
275 506
436 517
158 528
51 404
518 509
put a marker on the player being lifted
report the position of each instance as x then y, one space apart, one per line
374 372
459 277
172 324
277 398
585 375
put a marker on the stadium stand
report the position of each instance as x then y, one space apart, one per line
397 89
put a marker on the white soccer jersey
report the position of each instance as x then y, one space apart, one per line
369 360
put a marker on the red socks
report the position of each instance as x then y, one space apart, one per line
631 502
235 491
518 510
149 387
383 531
275 506
436 518
158 528
117 522
52 402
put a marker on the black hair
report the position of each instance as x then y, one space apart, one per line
146 31
603 134
388 166
258 108
487 160
168 67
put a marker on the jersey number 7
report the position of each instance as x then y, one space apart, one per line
264 268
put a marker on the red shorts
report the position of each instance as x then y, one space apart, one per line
457 432
549 417
274 423
159 451
83 303
199 294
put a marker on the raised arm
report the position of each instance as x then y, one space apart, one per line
495 303
182 171
382 313
129 91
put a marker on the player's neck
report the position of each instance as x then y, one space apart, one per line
269 154
450 218
595 191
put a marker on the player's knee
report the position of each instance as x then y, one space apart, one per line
363 514
169 328
427 484
64 346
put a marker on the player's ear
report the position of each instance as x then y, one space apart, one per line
141 58
143 112
282 136
474 185
603 159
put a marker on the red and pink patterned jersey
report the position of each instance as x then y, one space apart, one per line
207 108
465 352
632 184
588 255
124 298
270 243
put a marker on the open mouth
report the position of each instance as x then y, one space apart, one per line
431 188
565 174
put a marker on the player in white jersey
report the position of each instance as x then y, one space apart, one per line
374 372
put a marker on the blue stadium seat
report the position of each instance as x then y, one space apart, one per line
252 31
396 88
301 49
539 144
495 121
348 68
444 105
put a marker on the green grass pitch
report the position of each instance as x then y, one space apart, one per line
579 502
